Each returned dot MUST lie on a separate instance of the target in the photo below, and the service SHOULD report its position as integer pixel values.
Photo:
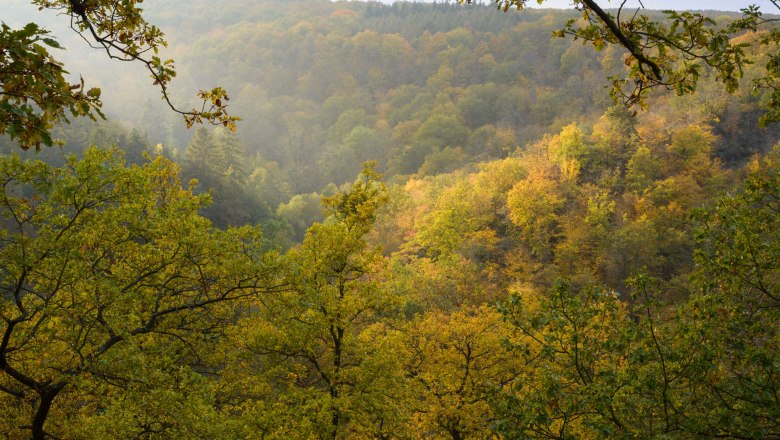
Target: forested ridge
(518, 257)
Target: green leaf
(51, 42)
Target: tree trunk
(47, 397)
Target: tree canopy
(535, 264)
(108, 274)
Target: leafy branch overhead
(35, 93)
(120, 29)
(671, 53)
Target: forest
(408, 220)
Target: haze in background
(116, 78)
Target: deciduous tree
(110, 282)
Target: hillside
(431, 222)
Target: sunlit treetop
(34, 93)
(671, 53)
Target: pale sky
(718, 5)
